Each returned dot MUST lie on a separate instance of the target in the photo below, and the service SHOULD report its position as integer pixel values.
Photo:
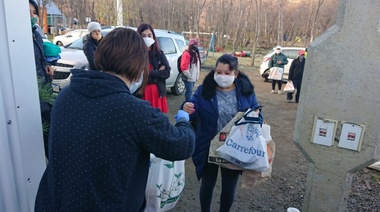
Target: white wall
(22, 159)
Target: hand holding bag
(289, 87)
(276, 73)
(245, 145)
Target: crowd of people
(106, 123)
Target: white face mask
(148, 41)
(136, 85)
(224, 81)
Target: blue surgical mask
(302, 57)
(136, 85)
(33, 21)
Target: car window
(291, 53)
(75, 33)
(78, 44)
(181, 45)
(166, 45)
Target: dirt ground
(286, 187)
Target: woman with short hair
(102, 136)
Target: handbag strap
(250, 119)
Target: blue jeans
(229, 181)
(189, 90)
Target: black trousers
(279, 82)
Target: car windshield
(78, 44)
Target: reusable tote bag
(166, 181)
(289, 87)
(245, 146)
(276, 73)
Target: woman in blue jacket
(225, 91)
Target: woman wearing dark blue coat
(225, 91)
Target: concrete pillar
(340, 84)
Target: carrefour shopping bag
(245, 145)
(252, 178)
(166, 181)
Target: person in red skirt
(159, 70)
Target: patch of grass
(50, 37)
(376, 178)
(243, 61)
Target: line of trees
(240, 24)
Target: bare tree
(318, 7)
(227, 19)
(258, 5)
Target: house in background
(53, 19)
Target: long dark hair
(194, 55)
(35, 6)
(155, 48)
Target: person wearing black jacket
(90, 43)
(295, 75)
(44, 73)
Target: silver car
(72, 56)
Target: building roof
(52, 9)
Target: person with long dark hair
(191, 66)
(158, 68)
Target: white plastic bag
(276, 73)
(289, 87)
(245, 146)
(165, 183)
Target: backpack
(179, 63)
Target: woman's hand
(189, 107)
(161, 68)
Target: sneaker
(288, 100)
(279, 92)
(272, 91)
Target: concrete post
(340, 83)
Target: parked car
(72, 56)
(71, 36)
(290, 52)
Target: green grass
(243, 61)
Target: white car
(290, 52)
(63, 40)
(72, 56)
